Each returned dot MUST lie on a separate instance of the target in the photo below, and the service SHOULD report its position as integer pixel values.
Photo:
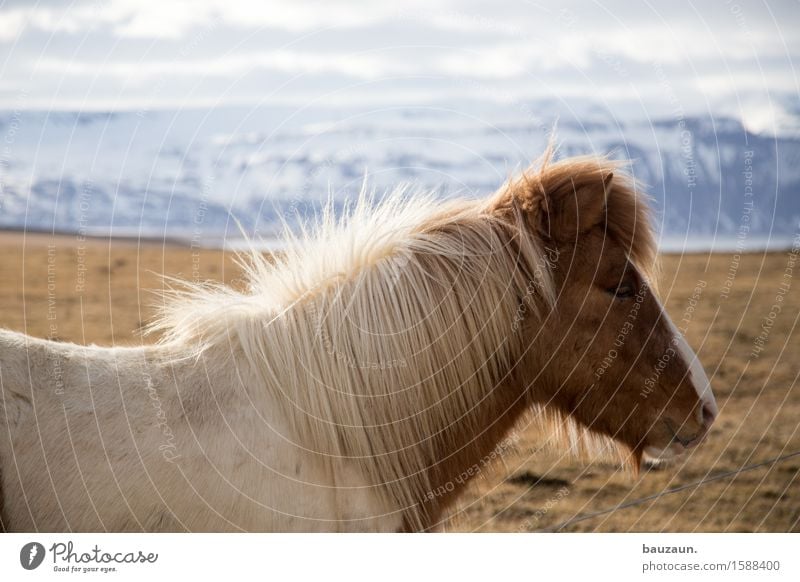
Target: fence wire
(699, 483)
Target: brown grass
(46, 292)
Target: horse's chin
(654, 455)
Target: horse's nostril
(709, 414)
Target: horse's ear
(572, 209)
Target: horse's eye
(622, 291)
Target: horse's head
(604, 352)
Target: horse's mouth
(683, 443)
(677, 445)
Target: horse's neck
(462, 455)
(467, 432)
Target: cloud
(360, 66)
(176, 18)
(511, 45)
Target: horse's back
(95, 439)
(63, 438)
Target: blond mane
(381, 332)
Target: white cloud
(11, 24)
(361, 66)
(124, 44)
(175, 18)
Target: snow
(188, 172)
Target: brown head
(604, 353)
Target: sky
(129, 54)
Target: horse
(357, 377)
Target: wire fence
(699, 483)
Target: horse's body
(138, 441)
(359, 380)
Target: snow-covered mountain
(185, 174)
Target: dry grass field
(100, 292)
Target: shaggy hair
(378, 331)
